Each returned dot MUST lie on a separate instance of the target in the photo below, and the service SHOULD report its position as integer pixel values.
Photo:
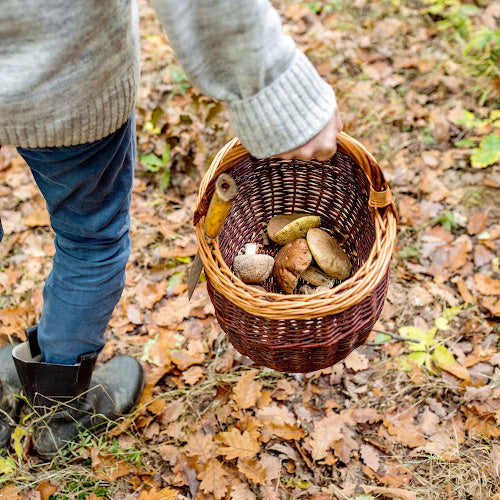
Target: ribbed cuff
(286, 114)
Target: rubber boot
(10, 388)
(73, 398)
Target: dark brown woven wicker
(300, 333)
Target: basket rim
(296, 306)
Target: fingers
(321, 147)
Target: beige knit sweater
(69, 70)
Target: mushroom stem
(250, 248)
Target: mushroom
(292, 260)
(328, 254)
(317, 277)
(288, 227)
(251, 267)
(308, 289)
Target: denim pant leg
(88, 190)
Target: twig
(396, 337)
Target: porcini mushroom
(317, 277)
(328, 254)
(288, 227)
(251, 267)
(292, 260)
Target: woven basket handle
(233, 152)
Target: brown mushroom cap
(292, 260)
(288, 227)
(328, 254)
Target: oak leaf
(237, 445)
(370, 456)
(252, 469)
(241, 491)
(247, 391)
(356, 361)
(201, 446)
(396, 493)
(326, 431)
(486, 285)
(214, 478)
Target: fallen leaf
(396, 493)
(252, 469)
(356, 361)
(370, 456)
(241, 491)
(428, 422)
(486, 285)
(247, 391)
(214, 478)
(202, 446)
(477, 223)
(455, 369)
(38, 218)
(163, 494)
(237, 445)
(326, 431)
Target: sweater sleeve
(235, 51)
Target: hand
(322, 146)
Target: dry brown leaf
(148, 294)
(252, 469)
(163, 494)
(275, 413)
(193, 375)
(272, 466)
(344, 447)
(370, 456)
(237, 445)
(395, 475)
(459, 253)
(241, 491)
(172, 412)
(465, 292)
(486, 285)
(38, 218)
(477, 223)
(193, 355)
(247, 391)
(326, 431)
(402, 429)
(397, 493)
(356, 361)
(455, 369)
(428, 422)
(107, 467)
(202, 446)
(492, 304)
(440, 126)
(214, 478)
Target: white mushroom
(251, 267)
(288, 227)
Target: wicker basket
(295, 332)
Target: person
(69, 76)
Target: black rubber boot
(72, 398)
(10, 388)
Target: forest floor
(395, 419)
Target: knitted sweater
(69, 70)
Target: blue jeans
(88, 190)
